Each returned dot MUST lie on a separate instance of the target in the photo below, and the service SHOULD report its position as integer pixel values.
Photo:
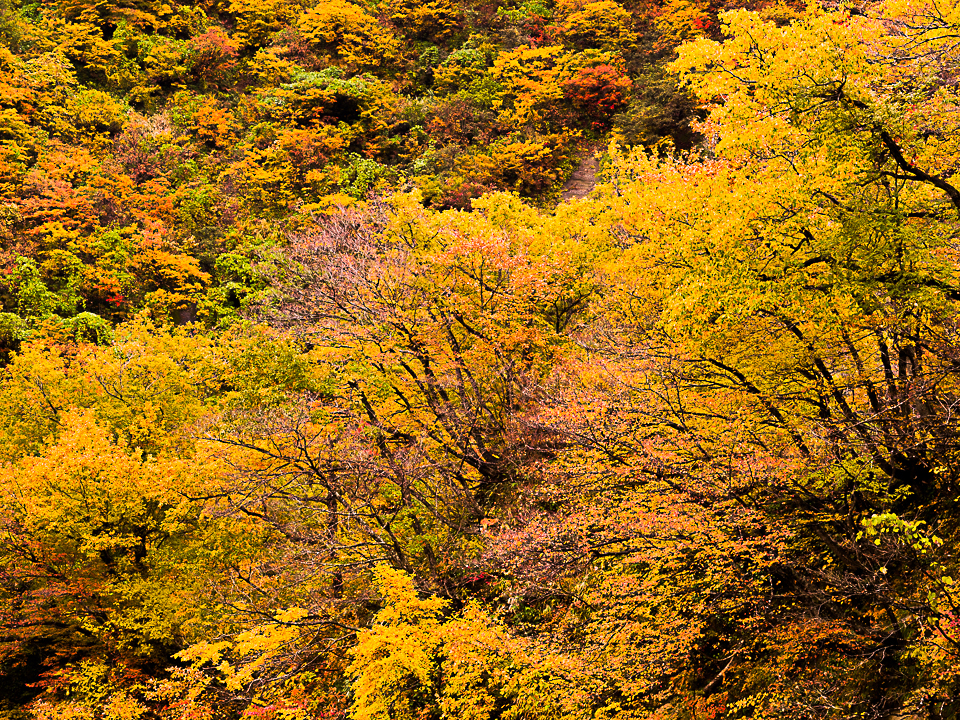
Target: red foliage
(461, 196)
(535, 28)
(212, 58)
(598, 92)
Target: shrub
(603, 25)
(436, 21)
(597, 92)
(212, 59)
(342, 34)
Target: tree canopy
(315, 402)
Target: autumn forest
(479, 360)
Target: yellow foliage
(435, 21)
(257, 20)
(531, 79)
(93, 695)
(528, 167)
(96, 112)
(87, 488)
(214, 125)
(681, 20)
(604, 24)
(410, 664)
(346, 36)
(394, 662)
(269, 69)
(47, 710)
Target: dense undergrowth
(154, 153)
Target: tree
(781, 326)
(342, 34)
(113, 540)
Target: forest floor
(584, 178)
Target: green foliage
(537, 8)
(34, 300)
(88, 327)
(361, 176)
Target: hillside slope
(316, 402)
